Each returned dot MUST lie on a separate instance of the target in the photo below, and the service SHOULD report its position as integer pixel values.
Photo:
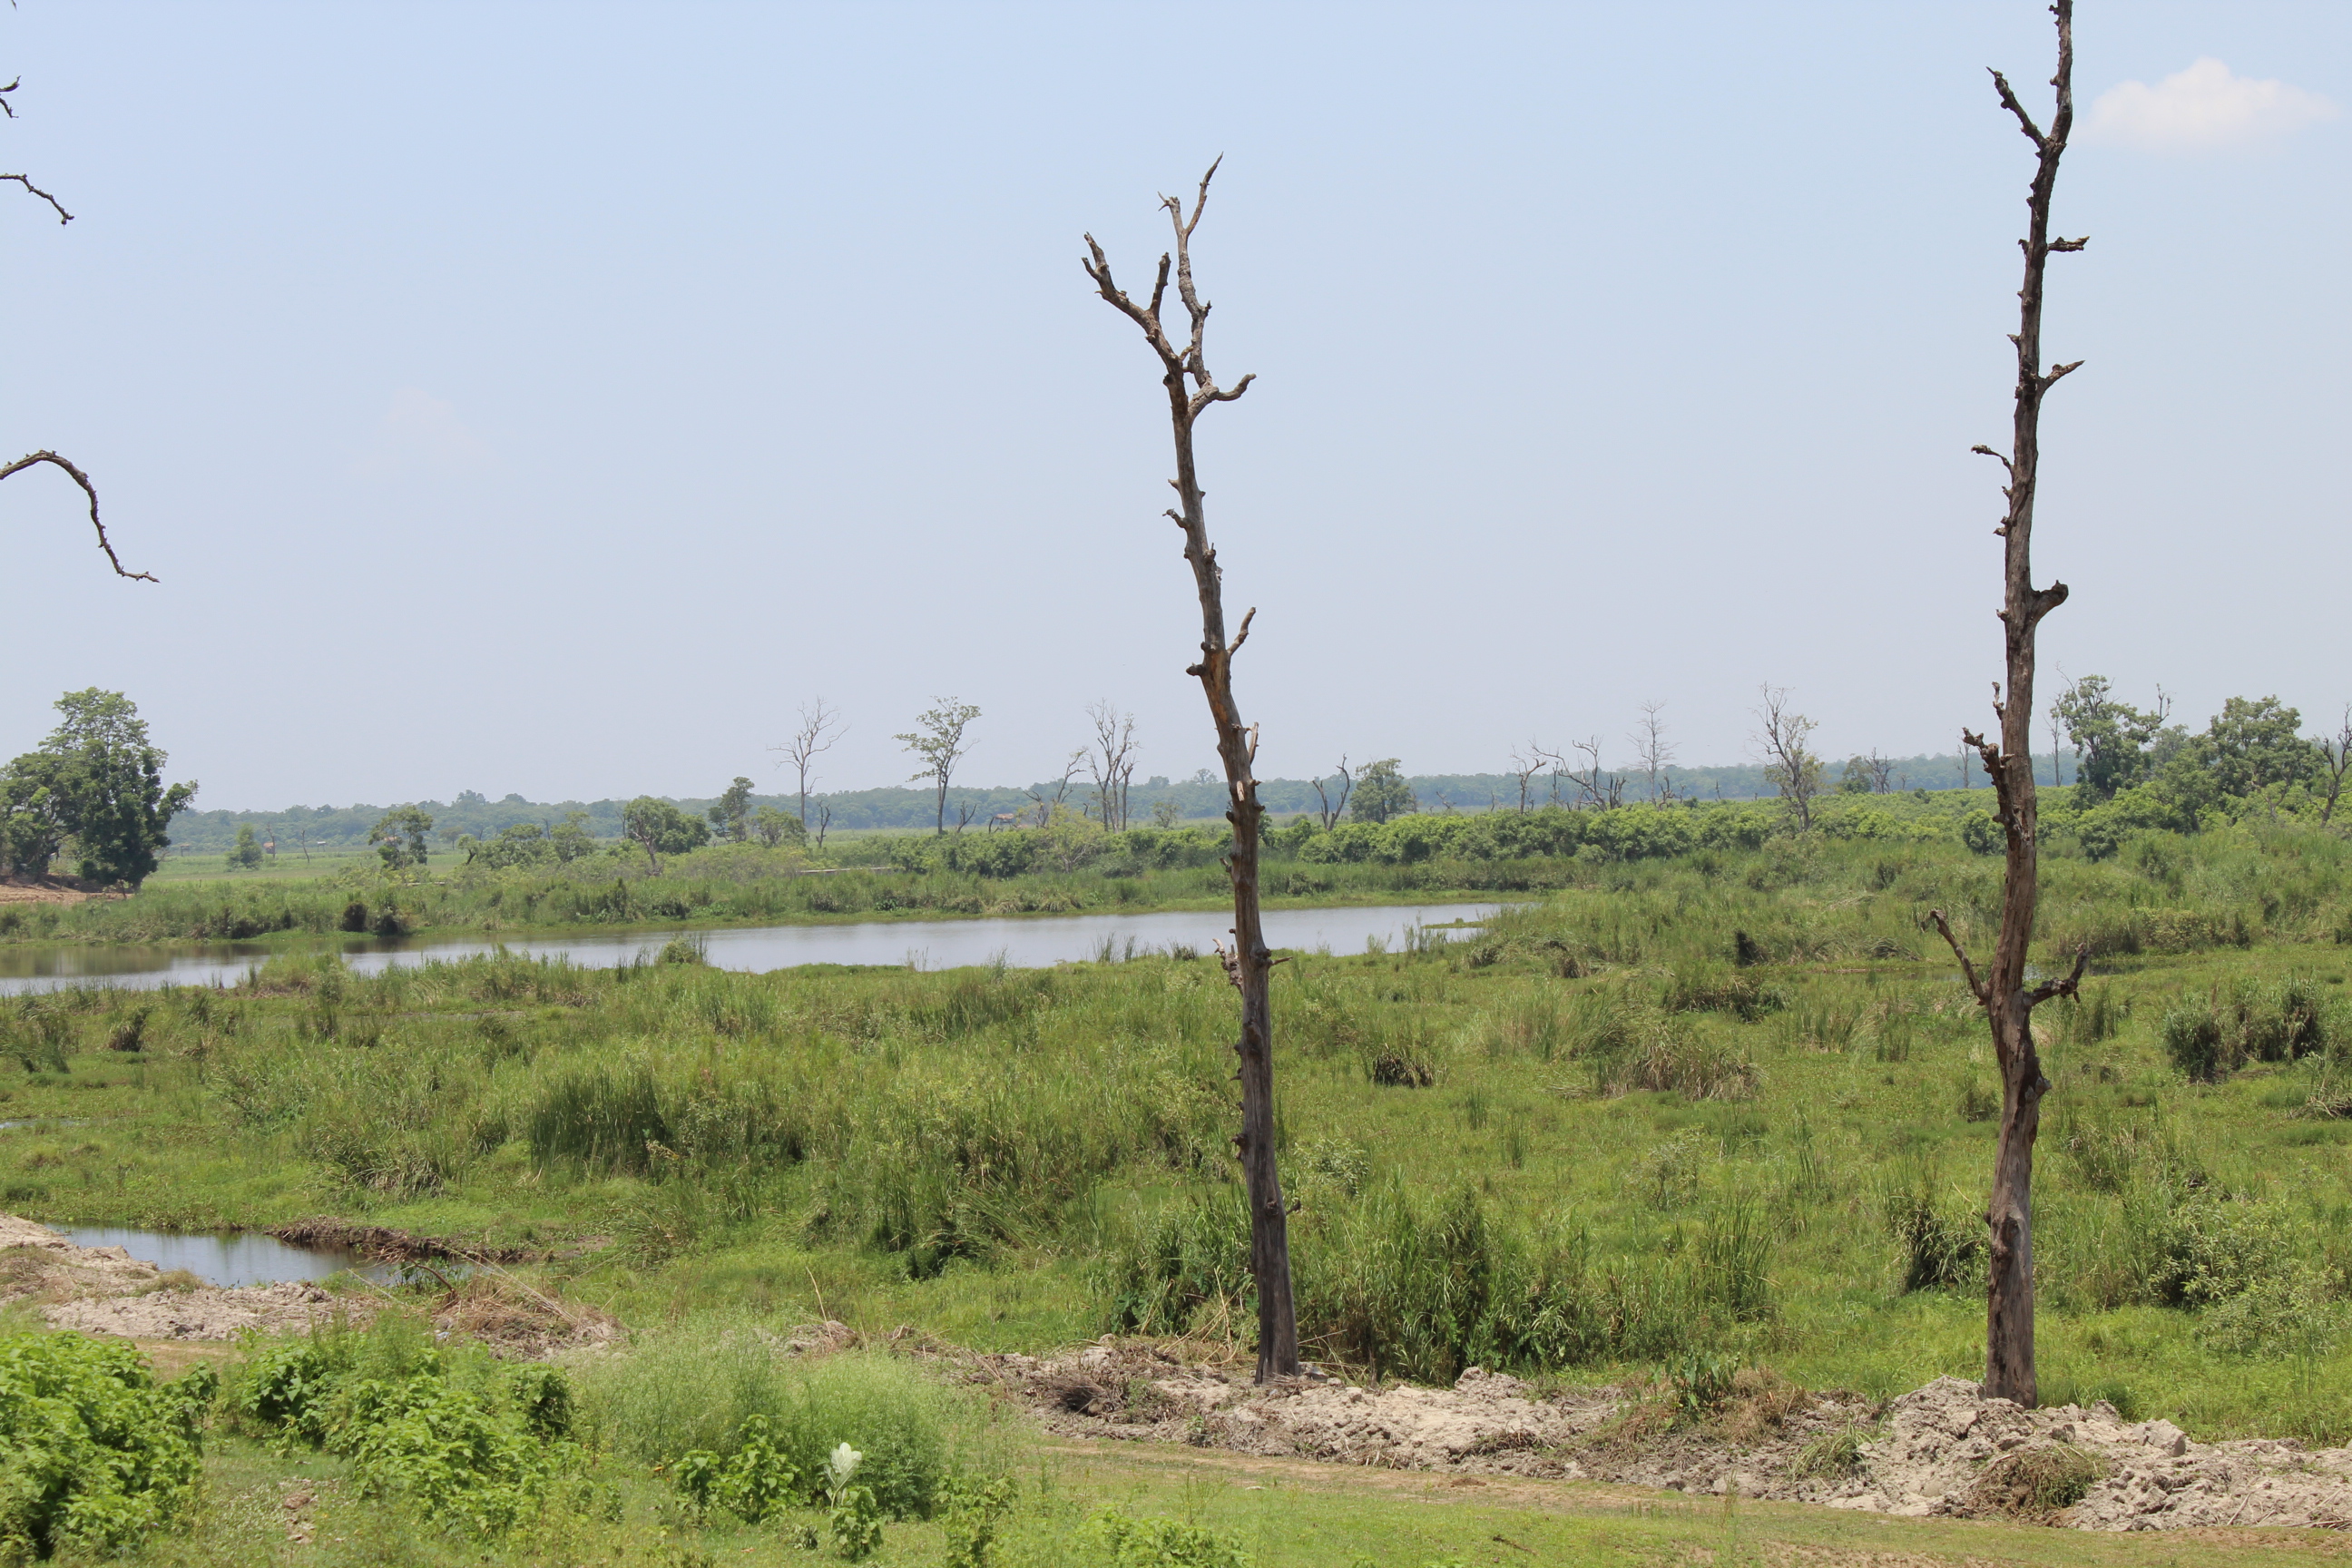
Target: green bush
(472, 1442)
(93, 1451)
(1117, 1539)
(716, 1389)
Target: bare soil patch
(1943, 1451)
(46, 890)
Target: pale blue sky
(550, 398)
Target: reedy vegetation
(1721, 1101)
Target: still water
(1031, 943)
(241, 1258)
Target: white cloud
(2203, 106)
(420, 431)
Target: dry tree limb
(21, 464)
(64, 217)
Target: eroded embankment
(1943, 1449)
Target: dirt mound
(1942, 1443)
(1484, 1423)
(1943, 1449)
(519, 1321)
(105, 1290)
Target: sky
(554, 398)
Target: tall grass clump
(694, 1387)
(2248, 1022)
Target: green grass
(1632, 1146)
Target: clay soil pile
(1943, 1449)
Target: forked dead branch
(1249, 963)
(2001, 987)
(32, 460)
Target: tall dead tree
(2001, 988)
(1250, 963)
(33, 459)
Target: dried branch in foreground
(21, 464)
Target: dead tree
(2001, 987)
(819, 727)
(1326, 807)
(1111, 764)
(2337, 753)
(1184, 372)
(1654, 753)
(1785, 741)
(1046, 808)
(33, 459)
(1527, 765)
(1596, 786)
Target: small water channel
(1025, 943)
(233, 1257)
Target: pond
(1023, 943)
(229, 1258)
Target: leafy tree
(774, 828)
(519, 844)
(731, 817)
(2252, 744)
(35, 795)
(2111, 738)
(1380, 792)
(938, 739)
(660, 828)
(399, 837)
(246, 856)
(99, 778)
(571, 838)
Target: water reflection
(236, 1257)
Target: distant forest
(1202, 796)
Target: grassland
(1727, 1102)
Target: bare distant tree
(1046, 808)
(819, 727)
(1784, 744)
(1327, 808)
(1525, 765)
(2336, 752)
(1596, 786)
(33, 459)
(1184, 372)
(824, 819)
(1111, 764)
(1653, 753)
(2000, 989)
(965, 811)
(938, 739)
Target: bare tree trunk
(1250, 963)
(2009, 762)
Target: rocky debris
(1938, 1441)
(105, 1290)
(1944, 1449)
(1484, 1423)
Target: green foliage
(1382, 794)
(93, 1452)
(99, 779)
(730, 815)
(1117, 1539)
(1982, 833)
(2247, 1023)
(753, 1482)
(246, 855)
(1938, 1244)
(660, 828)
(474, 1445)
(776, 828)
(710, 1388)
(399, 837)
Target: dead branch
(1967, 969)
(64, 217)
(89, 490)
(2070, 986)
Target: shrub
(1115, 1539)
(471, 1442)
(1935, 1247)
(699, 1387)
(93, 1451)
